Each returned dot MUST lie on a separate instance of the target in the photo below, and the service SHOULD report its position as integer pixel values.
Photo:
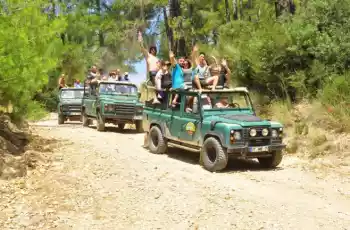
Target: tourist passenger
(92, 73)
(202, 76)
(225, 73)
(112, 76)
(151, 59)
(162, 79)
(222, 103)
(62, 81)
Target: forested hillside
(288, 50)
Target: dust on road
(106, 180)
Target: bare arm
(143, 49)
(172, 58)
(194, 55)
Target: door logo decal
(190, 128)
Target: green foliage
(28, 50)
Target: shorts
(203, 83)
(166, 85)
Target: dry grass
(313, 133)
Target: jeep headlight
(265, 132)
(237, 135)
(252, 132)
(274, 133)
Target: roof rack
(218, 89)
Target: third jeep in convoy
(69, 106)
(216, 123)
(112, 102)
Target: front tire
(100, 122)
(213, 157)
(273, 161)
(156, 142)
(85, 120)
(60, 119)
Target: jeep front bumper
(70, 114)
(254, 151)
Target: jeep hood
(244, 120)
(77, 101)
(119, 99)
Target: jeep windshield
(226, 101)
(118, 89)
(72, 94)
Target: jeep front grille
(71, 108)
(125, 109)
(259, 139)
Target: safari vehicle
(69, 106)
(232, 129)
(112, 102)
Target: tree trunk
(235, 9)
(190, 12)
(174, 11)
(168, 30)
(215, 9)
(227, 11)
(241, 9)
(283, 6)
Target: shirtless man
(151, 59)
(223, 103)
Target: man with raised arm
(151, 59)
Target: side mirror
(139, 94)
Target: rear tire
(156, 142)
(100, 122)
(139, 127)
(213, 157)
(60, 119)
(121, 127)
(273, 161)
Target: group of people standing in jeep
(95, 75)
(194, 72)
(98, 75)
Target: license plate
(259, 149)
(138, 117)
(72, 114)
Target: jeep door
(189, 122)
(172, 120)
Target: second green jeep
(112, 102)
(216, 123)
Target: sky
(140, 74)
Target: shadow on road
(234, 165)
(67, 124)
(114, 129)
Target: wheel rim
(211, 152)
(154, 138)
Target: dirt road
(106, 180)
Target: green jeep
(216, 123)
(112, 102)
(69, 106)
